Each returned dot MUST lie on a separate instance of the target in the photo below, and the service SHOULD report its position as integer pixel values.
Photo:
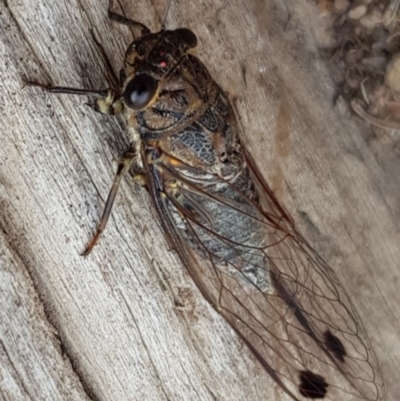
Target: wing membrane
(287, 305)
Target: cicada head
(165, 85)
(158, 52)
(148, 62)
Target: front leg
(108, 101)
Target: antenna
(165, 16)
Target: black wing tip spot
(334, 345)
(312, 385)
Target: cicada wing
(287, 305)
(321, 305)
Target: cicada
(236, 241)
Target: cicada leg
(141, 179)
(108, 102)
(125, 21)
(124, 165)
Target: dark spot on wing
(312, 385)
(334, 345)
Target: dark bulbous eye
(140, 91)
(187, 36)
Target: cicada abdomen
(236, 241)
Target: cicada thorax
(189, 134)
(176, 103)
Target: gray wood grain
(126, 323)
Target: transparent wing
(243, 252)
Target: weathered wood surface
(126, 323)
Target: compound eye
(140, 91)
(187, 36)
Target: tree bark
(127, 323)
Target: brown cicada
(237, 242)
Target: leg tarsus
(141, 179)
(110, 104)
(124, 165)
